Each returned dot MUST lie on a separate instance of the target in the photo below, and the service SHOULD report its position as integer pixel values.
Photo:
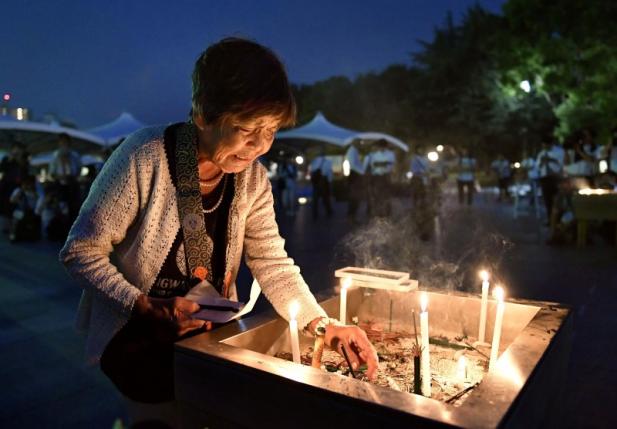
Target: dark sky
(87, 61)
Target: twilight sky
(87, 61)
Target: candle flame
(294, 308)
(346, 284)
(423, 301)
(498, 293)
(484, 275)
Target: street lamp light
(440, 148)
(432, 156)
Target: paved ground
(46, 385)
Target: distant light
(517, 165)
(433, 156)
(409, 175)
(302, 200)
(84, 171)
(589, 191)
(299, 160)
(603, 166)
(440, 148)
(20, 114)
(346, 168)
(6, 97)
(525, 86)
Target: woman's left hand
(357, 345)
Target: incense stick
(353, 374)
(459, 394)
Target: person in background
(54, 213)
(26, 224)
(583, 163)
(287, 174)
(380, 164)
(501, 169)
(466, 176)
(608, 153)
(320, 171)
(550, 161)
(64, 169)
(355, 181)
(419, 168)
(532, 175)
(14, 167)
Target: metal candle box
(230, 378)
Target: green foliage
(464, 87)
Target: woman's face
(236, 148)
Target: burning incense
(353, 374)
(426, 358)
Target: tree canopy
(494, 83)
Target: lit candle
(485, 286)
(426, 357)
(497, 328)
(345, 284)
(293, 331)
(461, 368)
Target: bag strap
(197, 245)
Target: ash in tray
(450, 382)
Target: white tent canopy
(40, 137)
(322, 130)
(117, 129)
(370, 136)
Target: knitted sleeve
(265, 254)
(110, 208)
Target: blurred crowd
(544, 181)
(41, 201)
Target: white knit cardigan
(129, 221)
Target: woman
(174, 206)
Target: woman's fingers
(367, 353)
(189, 325)
(186, 305)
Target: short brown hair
(238, 79)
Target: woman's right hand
(175, 314)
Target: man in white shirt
(501, 168)
(320, 170)
(550, 162)
(379, 165)
(355, 181)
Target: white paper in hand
(219, 309)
